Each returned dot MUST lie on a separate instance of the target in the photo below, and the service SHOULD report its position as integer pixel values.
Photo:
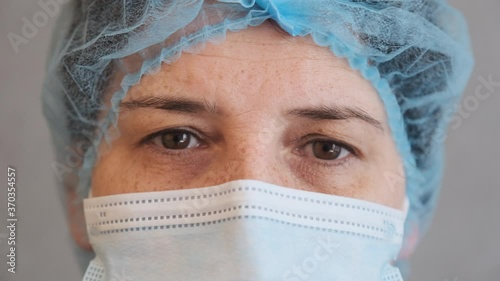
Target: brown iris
(176, 140)
(326, 150)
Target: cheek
(351, 179)
(389, 179)
(124, 170)
(387, 186)
(115, 173)
(380, 179)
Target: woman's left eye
(326, 150)
(176, 139)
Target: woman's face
(260, 105)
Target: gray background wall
(463, 243)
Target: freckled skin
(254, 75)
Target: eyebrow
(324, 112)
(185, 105)
(174, 104)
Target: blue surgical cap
(416, 54)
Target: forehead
(266, 68)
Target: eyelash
(311, 138)
(149, 140)
(308, 139)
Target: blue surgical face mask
(242, 230)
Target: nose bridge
(249, 158)
(252, 155)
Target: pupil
(326, 150)
(175, 140)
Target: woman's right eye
(176, 139)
